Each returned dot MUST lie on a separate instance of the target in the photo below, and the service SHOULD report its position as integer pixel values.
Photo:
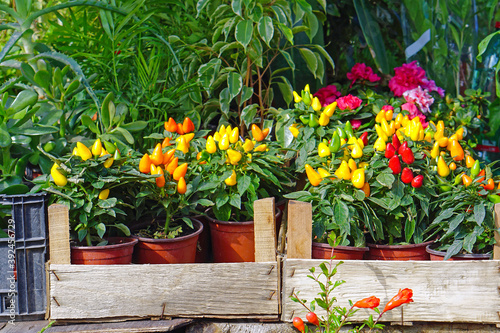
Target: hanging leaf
(234, 84)
(243, 32)
(266, 29)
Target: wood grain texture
(496, 247)
(60, 252)
(264, 230)
(299, 230)
(442, 291)
(81, 291)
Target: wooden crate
(448, 291)
(226, 290)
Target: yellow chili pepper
(222, 130)
(231, 180)
(58, 178)
(352, 164)
(103, 195)
(379, 144)
(443, 169)
(235, 135)
(180, 171)
(381, 133)
(380, 116)
(443, 142)
(469, 161)
(460, 133)
(453, 166)
(388, 115)
(261, 148)
(183, 145)
(257, 133)
(385, 127)
(343, 172)
(357, 151)
(323, 150)
(330, 109)
(466, 180)
(234, 156)
(312, 175)
(316, 104)
(248, 145)
(296, 97)
(323, 173)
(83, 151)
(156, 156)
(435, 150)
(294, 130)
(210, 146)
(358, 178)
(217, 136)
(109, 162)
(97, 148)
(181, 186)
(224, 142)
(324, 119)
(456, 150)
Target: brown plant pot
(204, 247)
(233, 241)
(179, 250)
(439, 255)
(118, 253)
(324, 251)
(398, 252)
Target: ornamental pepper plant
(89, 181)
(336, 316)
(236, 171)
(172, 165)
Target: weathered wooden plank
(140, 326)
(60, 252)
(246, 289)
(496, 247)
(264, 230)
(442, 291)
(299, 230)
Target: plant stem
(376, 321)
(345, 319)
(88, 239)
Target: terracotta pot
(178, 250)
(118, 253)
(439, 255)
(398, 252)
(324, 251)
(233, 241)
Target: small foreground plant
(337, 316)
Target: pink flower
(421, 97)
(355, 123)
(349, 102)
(327, 95)
(362, 72)
(414, 112)
(387, 107)
(410, 76)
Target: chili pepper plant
(337, 316)
(171, 193)
(236, 172)
(88, 181)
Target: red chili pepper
(364, 138)
(187, 125)
(395, 164)
(367, 303)
(407, 156)
(395, 141)
(403, 146)
(417, 181)
(390, 151)
(312, 318)
(299, 324)
(406, 176)
(402, 297)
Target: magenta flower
(414, 112)
(327, 95)
(363, 73)
(421, 97)
(410, 76)
(348, 102)
(387, 107)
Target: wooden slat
(60, 252)
(264, 230)
(496, 247)
(299, 230)
(447, 291)
(81, 291)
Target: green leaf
(287, 32)
(236, 6)
(126, 134)
(5, 138)
(101, 229)
(454, 248)
(243, 32)
(288, 59)
(234, 84)
(373, 35)
(246, 93)
(266, 29)
(386, 179)
(243, 184)
(42, 78)
(224, 100)
(24, 99)
(108, 203)
(135, 126)
(311, 60)
(221, 199)
(248, 114)
(479, 214)
(235, 201)
(123, 228)
(35, 130)
(200, 6)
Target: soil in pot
(398, 252)
(324, 251)
(117, 252)
(178, 250)
(233, 241)
(436, 255)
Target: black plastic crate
(25, 295)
